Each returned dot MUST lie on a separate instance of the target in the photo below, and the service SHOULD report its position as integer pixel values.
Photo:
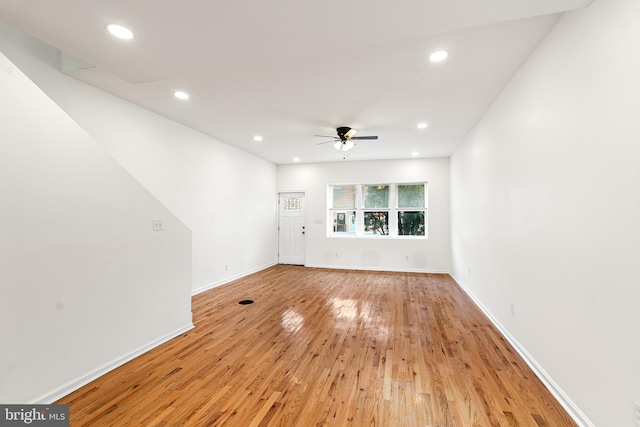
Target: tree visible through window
(411, 210)
(376, 221)
(375, 196)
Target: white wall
(214, 188)
(545, 196)
(85, 282)
(431, 255)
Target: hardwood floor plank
(326, 348)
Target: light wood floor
(326, 347)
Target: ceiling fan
(345, 139)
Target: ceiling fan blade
(326, 142)
(365, 137)
(327, 136)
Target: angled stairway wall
(86, 283)
(214, 188)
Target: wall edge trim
(230, 279)
(395, 270)
(73, 385)
(572, 409)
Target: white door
(291, 228)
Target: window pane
(411, 196)
(344, 196)
(293, 204)
(375, 196)
(344, 222)
(411, 223)
(376, 223)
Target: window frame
(392, 211)
(411, 209)
(331, 225)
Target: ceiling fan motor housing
(342, 132)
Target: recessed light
(120, 32)
(181, 95)
(422, 125)
(415, 154)
(296, 159)
(438, 56)
(257, 138)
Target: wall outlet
(513, 310)
(226, 267)
(637, 413)
(157, 225)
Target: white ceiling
(288, 69)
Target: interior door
(291, 228)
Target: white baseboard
(391, 269)
(578, 416)
(75, 384)
(229, 279)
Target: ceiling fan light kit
(344, 145)
(345, 139)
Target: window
(391, 210)
(375, 196)
(293, 204)
(411, 210)
(376, 222)
(376, 209)
(342, 209)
